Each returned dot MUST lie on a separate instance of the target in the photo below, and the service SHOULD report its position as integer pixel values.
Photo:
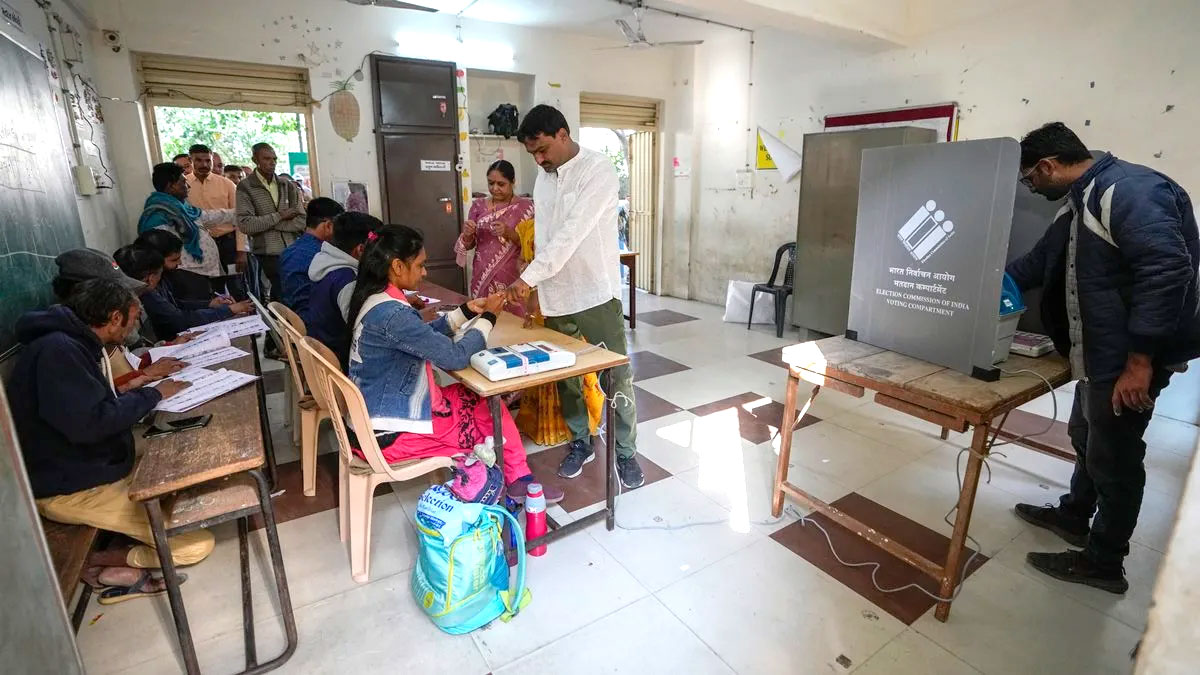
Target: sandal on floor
(112, 595)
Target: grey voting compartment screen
(930, 246)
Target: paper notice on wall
(435, 165)
(778, 154)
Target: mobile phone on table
(164, 428)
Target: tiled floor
(699, 577)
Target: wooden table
(509, 330)
(629, 260)
(200, 478)
(921, 389)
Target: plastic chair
(781, 291)
(303, 404)
(357, 478)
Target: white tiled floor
(713, 595)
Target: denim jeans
(1110, 475)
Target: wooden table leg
(945, 434)
(633, 296)
(785, 439)
(495, 403)
(171, 578)
(962, 520)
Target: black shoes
(1074, 567)
(581, 452)
(1073, 530)
(578, 453)
(630, 472)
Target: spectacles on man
(1026, 177)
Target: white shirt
(576, 262)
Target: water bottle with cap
(535, 517)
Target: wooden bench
(69, 548)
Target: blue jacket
(169, 317)
(293, 273)
(75, 431)
(1137, 252)
(332, 272)
(388, 353)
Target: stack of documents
(206, 385)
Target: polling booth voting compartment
(932, 238)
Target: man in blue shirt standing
(295, 259)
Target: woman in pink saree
(492, 231)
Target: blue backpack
(461, 576)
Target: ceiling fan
(392, 4)
(636, 39)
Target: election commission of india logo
(925, 231)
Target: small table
(921, 389)
(629, 260)
(509, 330)
(200, 478)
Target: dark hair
(390, 243)
(505, 168)
(258, 147)
(165, 174)
(541, 119)
(231, 167)
(1052, 139)
(199, 148)
(321, 209)
(351, 229)
(62, 286)
(165, 243)
(138, 261)
(176, 158)
(94, 301)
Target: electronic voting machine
(527, 358)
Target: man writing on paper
(76, 432)
(1121, 301)
(575, 269)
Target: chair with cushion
(357, 477)
(304, 406)
(780, 291)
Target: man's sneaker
(1073, 530)
(630, 472)
(1074, 567)
(580, 452)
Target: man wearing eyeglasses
(1118, 265)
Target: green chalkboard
(38, 215)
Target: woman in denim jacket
(393, 352)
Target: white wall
(102, 215)
(561, 64)
(1010, 71)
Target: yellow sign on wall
(764, 157)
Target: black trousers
(1110, 474)
(270, 269)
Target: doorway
(625, 129)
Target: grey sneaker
(630, 472)
(578, 453)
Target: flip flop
(112, 595)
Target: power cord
(875, 566)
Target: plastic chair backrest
(790, 249)
(291, 338)
(312, 371)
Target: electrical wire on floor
(805, 521)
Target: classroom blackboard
(38, 215)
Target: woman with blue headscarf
(199, 273)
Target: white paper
(235, 328)
(133, 360)
(786, 159)
(206, 342)
(192, 374)
(220, 355)
(427, 300)
(205, 389)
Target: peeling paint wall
(1010, 71)
(334, 37)
(102, 215)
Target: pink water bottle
(535, 517)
